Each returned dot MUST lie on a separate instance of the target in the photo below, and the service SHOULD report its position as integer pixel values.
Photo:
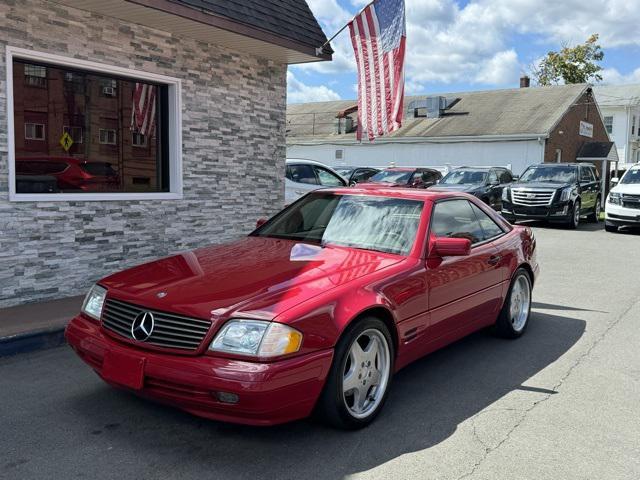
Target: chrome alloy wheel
(366, 373)
(520, 302)
(576, 214)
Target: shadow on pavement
(428, 400)
(550, 306)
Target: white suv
(623, 202)
(304, 176)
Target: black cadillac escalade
(555, 192)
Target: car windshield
(632, 176)
(99, 168)
(549, 174)
(392, 176)
(367, 222)
(464, 177)
(344, 171)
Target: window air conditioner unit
(109, 91)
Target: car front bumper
(620, 216)
(558, 212)
(267, 393)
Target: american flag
(143, 114)
(378, 35)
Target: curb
(31, 341)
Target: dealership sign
(586, 129)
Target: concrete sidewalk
(34, 326)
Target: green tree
(577, 64)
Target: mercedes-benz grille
(169, 330)
(532, 197)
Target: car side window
(456, 219)
(490, 228)
(594, 172)
(505, 176)
(361, 175)
(429, 177)
(301, 174)
(327, 178)
(493, 177)
(585, 175)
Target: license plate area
(123, 369)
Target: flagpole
(321, 48)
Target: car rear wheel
(515, 313)
(359, 379)
(595, 216)
(575, 215)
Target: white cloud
(298, 92)
(502, 68)
(611, 76)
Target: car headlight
(614, 198)
(257, 338)
(94, 301)
(506, 194)
(566, 194)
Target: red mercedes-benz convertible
(313, 311)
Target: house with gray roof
(620, 106)
(514, 127)
(133, 129)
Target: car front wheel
(575, 215)
(515, 313)
(359, 379)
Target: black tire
(331, 405)
(504, 327)
(575, 218)
(595, 216)
(611, 228)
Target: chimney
(525, 81)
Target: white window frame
(68, 129)
(604, 121)
(35, 139)
(174, 119)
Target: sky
(462, 45)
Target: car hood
(259, 276)
(455, 188)
(541, 185)
(628, 188)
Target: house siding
(570, 141)
(233, 146)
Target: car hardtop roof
(562, 164)
(53, 158)
(408, 169)
(468, 167)
(306, 161)
(395, 192)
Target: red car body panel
(427, 301)
(71, 175)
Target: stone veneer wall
(233, 135)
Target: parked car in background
(554, 192)
(304, 176)
(404, 177)
(486, 183)
(623, 203)
(316, 309)
(71, 174)
(354, 175)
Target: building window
(74, 132)
(84, 155)
(138, 139)
(339, 154)
(633, 125)
(108, 136)
(608, 124)
(35, 75)
(559, 155)
(33, 131)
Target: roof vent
(431, 107)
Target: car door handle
(300, 192)
(494, 259)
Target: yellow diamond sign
(66, 141)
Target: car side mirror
(452, 247)
(615, 181)
(515, 178)
(260, 222)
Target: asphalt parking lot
(563, 402)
